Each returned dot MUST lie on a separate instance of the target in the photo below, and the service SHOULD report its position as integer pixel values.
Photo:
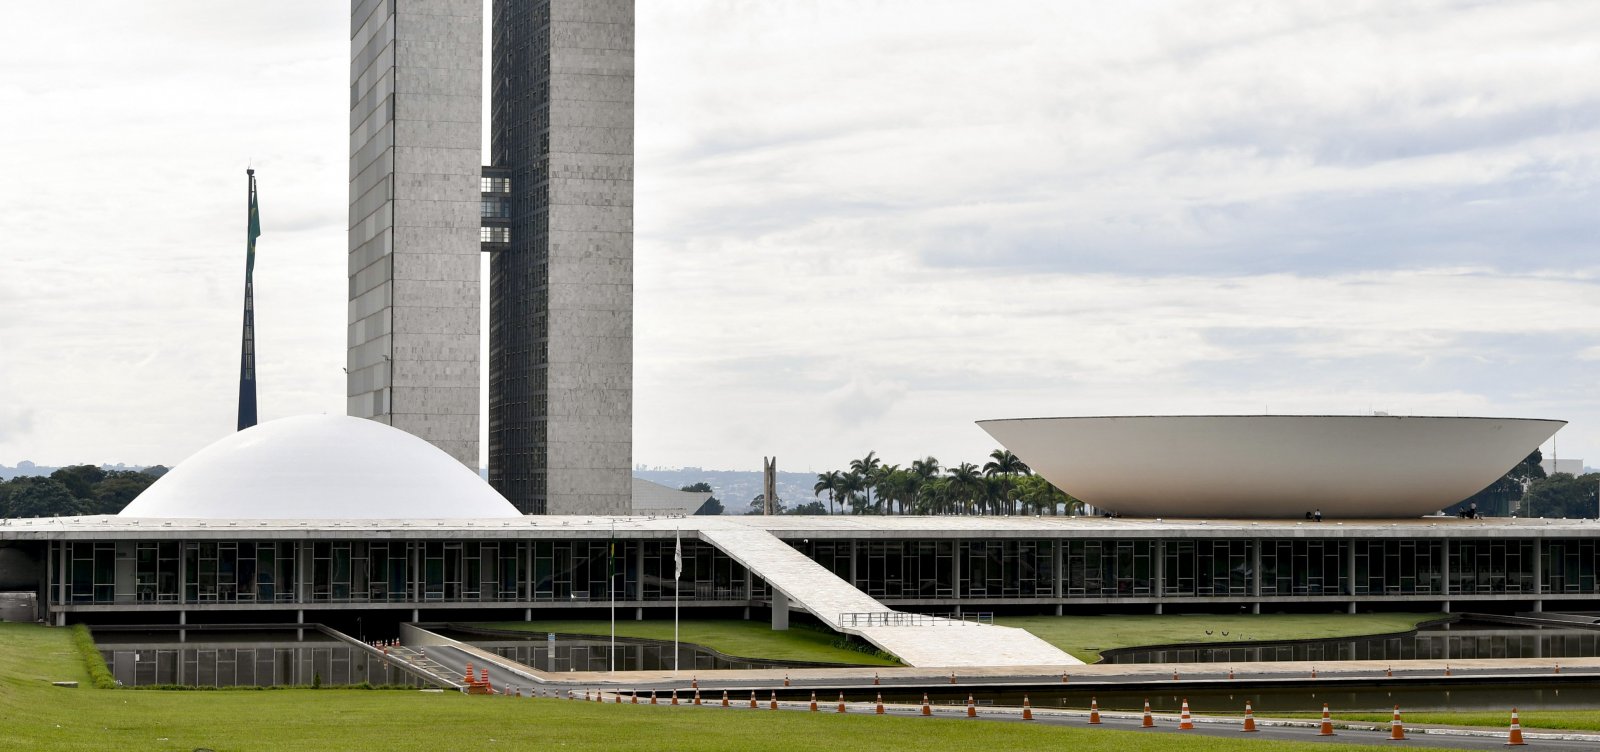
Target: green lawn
(37, 716)
(736, 637)
(1085, 636)
(1565, 720)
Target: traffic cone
(1094, 711)
(880, 704)
(1185, 722)
(484, 680)
(1327, 723)
(1063, 677)
(1558, 668)
(753, 705)
(674, 697)
(927, 710)
(1149, 720)
(697, 696)
(972, 709)
(1516, 732)
(774, 702)
(694, 682)
(841, 702)
(1397, 732)
(876, 680)
(1313, 672)
(1446, 669)
(635, 696)
(724, 698)
(1389, 672)
(467, 678)
(813, 702)
(1027, 709)
(1249, 718)
(952, 677)
(652, 697)
(1174, 674)
(1230, 672)
(617, 695)
(785, 680)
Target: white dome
(320, 467)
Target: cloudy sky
(861, 224)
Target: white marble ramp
(920, 642)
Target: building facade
(416, 72)
(561, 273)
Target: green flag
(253, 232)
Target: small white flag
(677, 557)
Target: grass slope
(745, 639)
(37, 716)
(1085, 636)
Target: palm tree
(828, 481)
(867, 468)
(883, 483)
(925, 468)
(933, 496)
(965, 483)
(1006, 465)
(851, 484)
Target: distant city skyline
(859, 227)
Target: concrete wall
(590, 392)
(415, 152)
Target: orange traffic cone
(674, 697)
(1063, 677)
(1149, 720)
(483, 679)
(652, 697)
(1446, 669)
(785, 680)
(813, 702)
(753, 705)
(1094, 710)
(1327, 723)
(1516, 732)
(1027, 709)
(467, 679)
(1249, 718)
(972, 709)
(694, 682)
(724, 698)
(875, 679)
(1389, 672)
(952, 677)
(927, 710)
(634, 695)
(841, 702)
(1185, 722)
(1230, 672)
(1313, 672)
(697, 696)
(1174, 674)
(617, 695)
(1397, 732)
(774, 705)
(585, 695)
(880, 704)
(1558, 668)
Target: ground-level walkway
(798, 581)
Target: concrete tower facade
(416, 72)
(561, 288)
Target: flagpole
(611, 588)
(677, 576)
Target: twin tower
(553, 210)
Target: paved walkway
(920, 642)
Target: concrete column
(1538, 575)
(300, 618)
(638, 574)
(1348, 550)
(1159, 567)
(853, 581)
(527, 614)
(780, 611)
(1444, 571)
(955, 571)
(1255, 575)
(183, 634)
(638, 613)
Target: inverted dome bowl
(320, 467)
(1223, 466)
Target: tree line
(74, 490)
(1003, 485)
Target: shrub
(99, 674)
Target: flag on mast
(677, 557)
(247, 348)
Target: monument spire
(247, 349)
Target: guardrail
(904, 619)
